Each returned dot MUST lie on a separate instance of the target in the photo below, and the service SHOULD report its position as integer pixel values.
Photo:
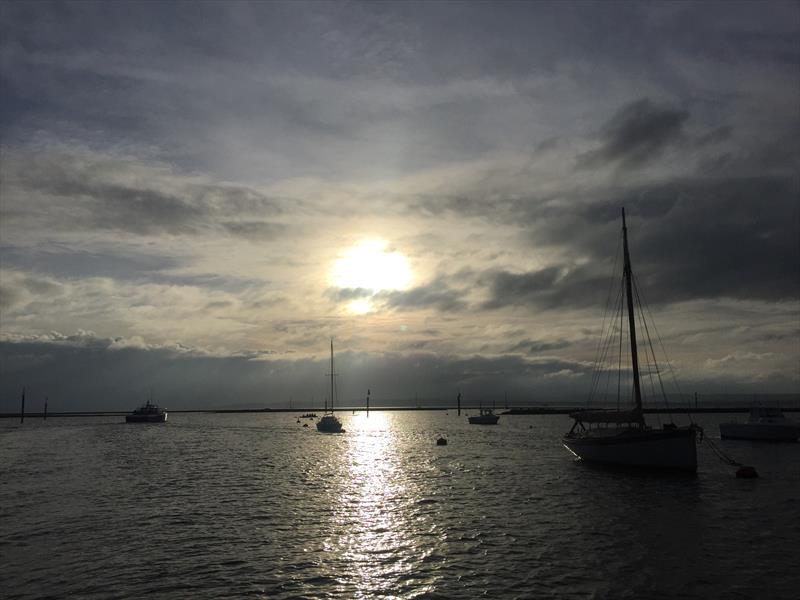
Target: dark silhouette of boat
(621, 437)
(329, 423)
(486, 416)
(147, 413)
(766, 423)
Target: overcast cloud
(177, 185)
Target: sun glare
(370, 266)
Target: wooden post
(22, 406)
(45, 408)
(459, 403)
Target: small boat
(329, 423)
(766, 423)
(486, 417)
(147, 413)
(309, 416)
(441, 441)
(622, 437)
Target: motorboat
(147, 413)
(622, 437)
(766, 423)
(486, 416)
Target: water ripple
(235, 506)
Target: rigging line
(598, 367)
(654, 365)
(722, 455)
(619, 362)
(600, 342)
(666, 356)
(601, 366)
(603, 342)
(637, 290)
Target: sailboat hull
(657, 449)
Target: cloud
(636, 134)
(77, 189)
(190, 378)
(530, 346)
(436, 294)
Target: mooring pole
(22, 406)
(459, 404)
(367, 402)
(45, 408)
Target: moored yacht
(329, 423)
(766, 423)
(485, 417)
(147, 413)
(622, 437)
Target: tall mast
(631, 320)
(332, 386)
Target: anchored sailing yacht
(329, 423)
(621, 437)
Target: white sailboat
(329, 423)
(622, 437)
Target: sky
(196, 197)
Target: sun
(371, 266)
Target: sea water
(258, 506)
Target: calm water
(214, 506)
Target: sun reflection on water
(378, 544)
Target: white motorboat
(622, 437)
(767, 423)
(486, 417)
(147, 413)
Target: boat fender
(746, 473)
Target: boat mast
(631, 320)
(332, 385)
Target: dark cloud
(255, 230)
(690, 239)
(84, 372)
(539, 346)
(636, 134)
(549, 288)
(347, 294)
(66, 262)
(85, 193)
(436, 294)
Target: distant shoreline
(534, 410)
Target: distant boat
(621, 437)
(147, 413)
(329, 423)
(309, 416)
(765, 423)
(486, 417)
